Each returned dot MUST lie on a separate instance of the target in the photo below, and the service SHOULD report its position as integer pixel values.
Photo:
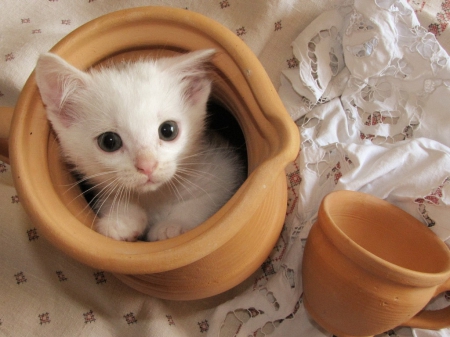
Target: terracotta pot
(369, 267)
(225, 249)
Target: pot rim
(107, 254)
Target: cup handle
(432, 319)
(6, 114)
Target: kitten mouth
(150, 185)
(149, 182)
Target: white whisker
(88, 178)
(223, 184)
(175, 189)
(184, 180)
(106, 190)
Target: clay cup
(369, 267)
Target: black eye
(168, 130)
(109, 141)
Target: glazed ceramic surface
(225, 249)
(369, 266)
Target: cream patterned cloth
(369, 91)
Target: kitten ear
(57, 80)
(195, 68)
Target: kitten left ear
(57, 80)
(195, 68)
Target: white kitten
(137, 133)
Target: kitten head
(129, 125)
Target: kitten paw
(164, 231)
(127, 227)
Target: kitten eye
(168, 130)
(109, 141)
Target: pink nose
(146, 166)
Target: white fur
(190, 177)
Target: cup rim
(369, 260)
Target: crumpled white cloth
(371, 98)
(377, 120)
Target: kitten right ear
(194, 69)
(57, 80)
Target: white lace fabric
(369, 98)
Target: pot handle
(432, 319)
(6, 114)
